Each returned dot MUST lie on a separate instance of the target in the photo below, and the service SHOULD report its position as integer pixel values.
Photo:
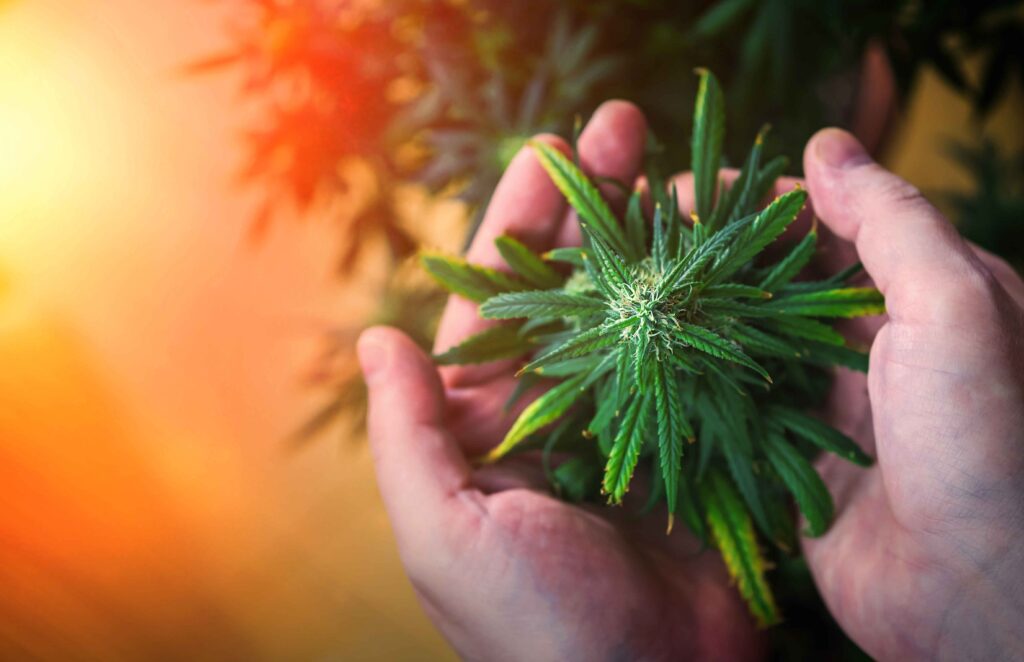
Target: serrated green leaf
(655, 493)
(780, 518)
(736, 290)
(493, 344)
(688, 269)
(542, 411)
(812, 497)
(523, 385)
(474, 282)
(806, 328)
(708, 135)
(636, 227)
(733, 308)
(820, 434)
(769, 174)
(757, 341)
(748, 195)
(541, 304)
(741, 468)
(771, 222)
(689, 506)
(831, 355)
(613, 270)
(570, 255)
(607, 408)
(844, 302)
(672, 428)
(575, 478)
(740, 200)
(527, 264)
(790, 266)
(711, 343)
(591, 340)
(629, 441)
(733, 533)
(659, 243)
(581, 193)
(719, 17)
(570, 367)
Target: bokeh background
(157, 352)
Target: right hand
(926, 557)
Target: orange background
(150, 359)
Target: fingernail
(373, 355)
(838, 149)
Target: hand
(503, 569)
(926, 557)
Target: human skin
(920, 561)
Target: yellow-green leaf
(733, 533)
(584, 197)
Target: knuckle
(972, 296)
(898, 192)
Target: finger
(611, 147)
(911, 251)
(419, 467)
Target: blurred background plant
(993, 214)
(359, 101)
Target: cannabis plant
(689, 347)
(992, 213)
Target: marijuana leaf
(498, 342)
(708, 135)
(734, 535)
(471, 281)
(625, 452)
(526, 264)
(676, 334)
(542, 304)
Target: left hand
(505, 570)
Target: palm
(595, 568)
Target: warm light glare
(56, 127)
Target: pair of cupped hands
(925, 559)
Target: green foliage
(540, 304)
(992, 215)
(683, 349)
(498, 342)
(733, 532)
(803, 481)
(708, 137)
(527, 264)
(469, 280)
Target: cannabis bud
(672, 339)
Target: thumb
(418, 464)
(910, 250)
